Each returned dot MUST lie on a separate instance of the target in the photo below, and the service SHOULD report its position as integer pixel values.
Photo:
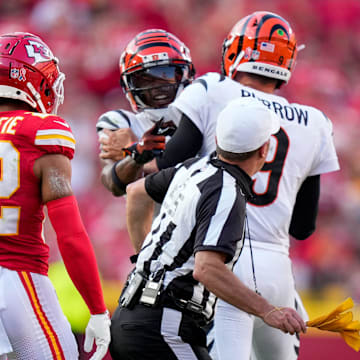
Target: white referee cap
(244, 125)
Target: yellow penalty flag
(340, 320)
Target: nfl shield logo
(14, 73)
(248, 52)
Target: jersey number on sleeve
(9, 183)
(272, 171)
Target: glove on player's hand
(149, 146)
(98, 329)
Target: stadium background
(88, 36)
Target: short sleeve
(113, 120)
(327, 160)
(54, 136)
(156, 184)
(193, 102)
(220, 221)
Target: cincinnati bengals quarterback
(258, 57)
(36, 147)
(154, 68)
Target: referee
(186, 260)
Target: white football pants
(32, 324)
(238, 334)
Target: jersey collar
(242, 178)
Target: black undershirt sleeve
(184, 144)
(156, 184)
(303, 221)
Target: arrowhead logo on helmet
(38, 51)
(35, 77)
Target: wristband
(143, 157)
(272, 310)
(115, 179)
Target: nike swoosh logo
(162, 130)
(61, 123)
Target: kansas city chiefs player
(36, 147)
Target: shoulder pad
(209, 80)
(54, 136)
(114, 119)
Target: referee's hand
(285, 319)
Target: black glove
(149, 146)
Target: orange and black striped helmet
(154, 68)
(262, 43)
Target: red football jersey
(24, 137)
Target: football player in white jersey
(154, 69)
(258, 57)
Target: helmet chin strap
(37, 97)
(139, 104)
(58, 89)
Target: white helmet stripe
(260, 68)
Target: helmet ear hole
(231, 56)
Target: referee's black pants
(161, 333)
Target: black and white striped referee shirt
(203, 208)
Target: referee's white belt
(267, 246)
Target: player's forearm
(116, 176)
(151, 167)
(221, 281)
(139, 213)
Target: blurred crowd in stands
(88, 37)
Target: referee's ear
(260, 156)
(264, 149)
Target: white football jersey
(303, 147)
(139, 123)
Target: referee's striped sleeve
(221, 216)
